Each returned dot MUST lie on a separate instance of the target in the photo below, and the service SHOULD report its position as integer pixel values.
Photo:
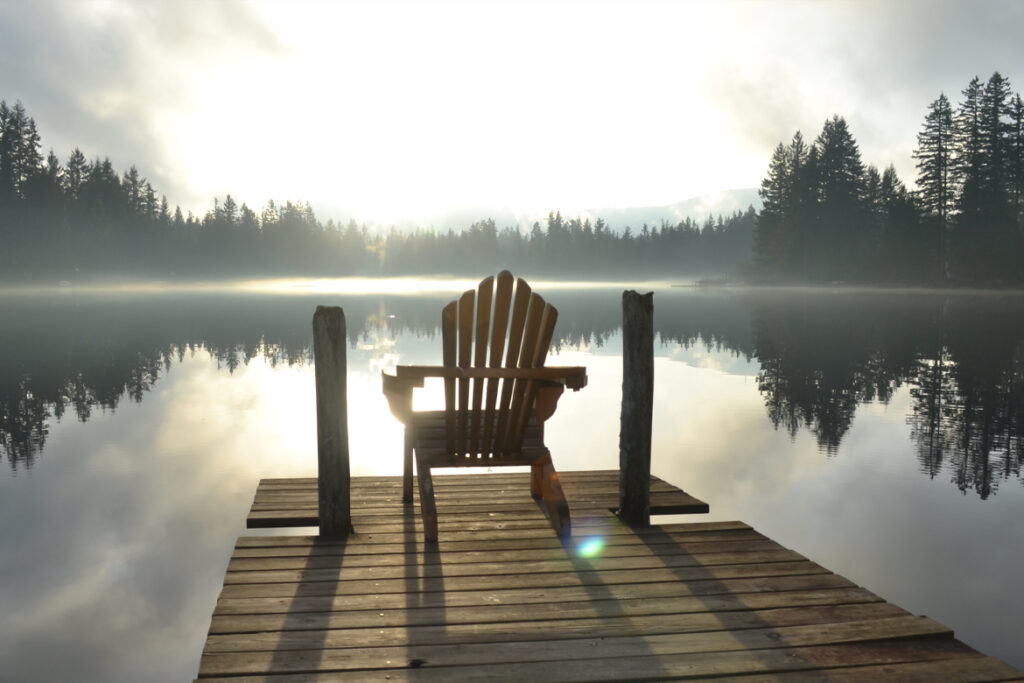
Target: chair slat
(530, 338)
(540, 352)
(465, 357)
(448, 340)
(499, 330)
(520, 305)
(484, 294)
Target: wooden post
(637, 408)
(331, 421)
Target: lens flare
(590, 547)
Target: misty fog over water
(878, 433)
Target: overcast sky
(392, 110)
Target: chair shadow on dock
(424, 588)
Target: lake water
(878, 433)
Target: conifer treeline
(827, 217)
(82, 219)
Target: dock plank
(293, 502)
(501, 597)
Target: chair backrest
(500, 324)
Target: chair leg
(428, 509)
(407, 464)
(544, 485)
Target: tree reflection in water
(821, 355)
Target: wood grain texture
(503, 598)
(377, 500)
(333, 499)
(637, 407)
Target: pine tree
(905, 247)
(967, 145)
(133, 185)
(230, 210)
(769, 238)
(986, 239)
(1015, 162)
(934, 156)
(843, 248)
(19, 149)
(53, 169)
(994, 140)
(75, 174)
(164, 213)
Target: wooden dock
(499, 597)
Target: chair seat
(430, 441)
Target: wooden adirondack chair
(498, 394)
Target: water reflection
(824, 355)
(820, 356)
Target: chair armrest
(573, 377)
(398, 391)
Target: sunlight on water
(409, 286)
(413, 285)
(356, 285)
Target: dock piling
(637, 408)
(331, 422)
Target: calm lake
(877, 433)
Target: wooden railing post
(637, 408)
(331, 421)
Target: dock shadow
(313, 586)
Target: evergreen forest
(79, 219)
(827, 217)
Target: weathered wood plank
(523, 528)
(395, 580)
(604, 486)
(563, 603)
(958, 670)
(500, 597)
(596, 544)
(673, 530)
(521, 507)
(511, 562)
(292, 502)
(500, 624)
(665, 667)
(538, 590)
(585, 480)
(692, 633)
(517, 502)
(291, 652)
(475, 478)
(370, 555)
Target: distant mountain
(698, 208)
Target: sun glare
(395, 112)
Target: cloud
(102, 76)
(877, 64)
(411, 109)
